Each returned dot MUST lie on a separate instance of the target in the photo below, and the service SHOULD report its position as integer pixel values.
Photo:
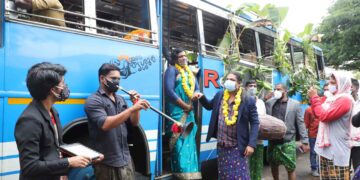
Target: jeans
(313, 157)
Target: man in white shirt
(256, 160)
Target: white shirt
(260, 105)
(261, 110)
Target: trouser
(104, 172)
(313, 156)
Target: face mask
(327, 94)
(230, 85)
(277, 94)
(63, 95)
(332, 88)
(252, 91)
(112, 86)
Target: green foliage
(191, 56)
(281, 61)
(301, 81)
(258, 73)
(268, 15)
(305, 77)
(341, 29)
(307, 44)
(356, 75)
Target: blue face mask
(252, 91)
(230, 85)
(332, 88)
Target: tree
(341, 29)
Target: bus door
(212, 70)
(179, 31)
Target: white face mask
(277, 94)
(252, 91)
(230, 85)
(327, 94)
(332, 88)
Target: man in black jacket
(38, 129)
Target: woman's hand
(312, 92)
(187, 107)
(78, 161)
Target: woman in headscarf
(180, 85)
(333, 139)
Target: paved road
(302, 170)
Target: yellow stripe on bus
(14, 101)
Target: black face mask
(112, 86)
(63, 95)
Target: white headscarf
(343, 90)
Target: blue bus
(131, 34)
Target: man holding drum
(283, 151)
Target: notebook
(77, 149)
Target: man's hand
(101, 157)
(141, 104)
(248, 151)
(196, 96)
(78, 161)
(134, 96)
(312, 92)
(269, 96)
(305, 147)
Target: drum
(271, 128)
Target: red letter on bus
(211, 75)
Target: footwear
(315, 173)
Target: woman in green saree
(180, 85)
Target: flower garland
(189, 91)
(225, 107)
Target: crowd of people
(325, 129)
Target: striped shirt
(226, 135)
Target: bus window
(214, 30)
(128, 19)
(74, 20)
(38, 11)
(298, 57)
(180, 27)
(247, 45)
(320, 66)
(267, 47)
